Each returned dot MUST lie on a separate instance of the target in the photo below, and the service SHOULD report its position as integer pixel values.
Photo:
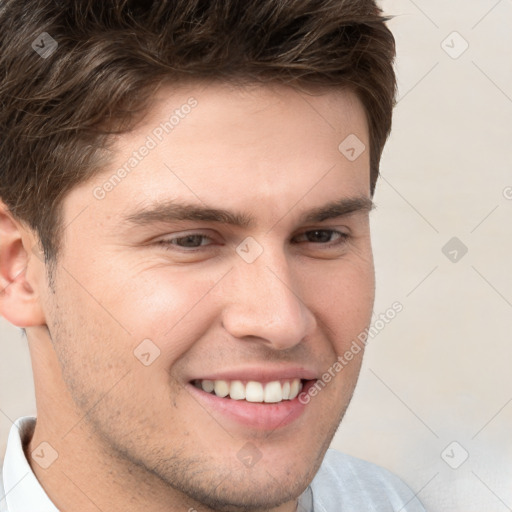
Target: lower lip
(260, 416)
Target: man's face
(146, 308)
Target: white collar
(23, 492)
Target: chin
(252, 491)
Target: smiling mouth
(253, 391)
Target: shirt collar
(23, 491)
(305, 503)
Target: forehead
(222, 145)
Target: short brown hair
(112, 56)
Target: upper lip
(261, 374)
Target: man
(186, 188)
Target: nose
(262, 302)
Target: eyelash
(168, 244)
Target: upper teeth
(252, 391)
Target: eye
(190, 241)
(194, 241)
(323, 236)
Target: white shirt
(342, 484)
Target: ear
(22, 273)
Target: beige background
(439, 372)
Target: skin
(132, 437)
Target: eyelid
(169, 239)
(331, 230)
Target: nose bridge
(263, 300)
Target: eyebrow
(171, 211)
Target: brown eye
(324, 236)
(190, 241)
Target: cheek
(342, 298)
(97, 346)
(169, 306)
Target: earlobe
(19, 274)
